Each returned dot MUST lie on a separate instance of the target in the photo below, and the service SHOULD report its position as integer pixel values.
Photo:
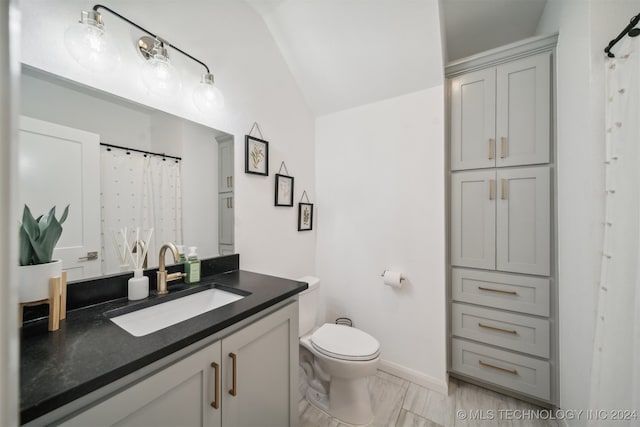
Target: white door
(473, 219)
(523, 217)
(523, 111)
(263, 359)
(60, 166)
(473, 113)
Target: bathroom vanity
(233, 365)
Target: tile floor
(400, 403)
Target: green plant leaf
(26, 250)
(63, 218)
(45, 244)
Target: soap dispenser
(182, 258)
(192, 266)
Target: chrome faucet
(163, 277)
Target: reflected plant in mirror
(156, 171)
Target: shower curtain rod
(629, 29)
(166, 156)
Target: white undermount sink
(151, 319)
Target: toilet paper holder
(402, 278)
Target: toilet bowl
(337, 360)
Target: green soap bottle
(182, 258)
(192, 266)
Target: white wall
(380, 179)
(585, 28)
(230, 37)
(9, 341)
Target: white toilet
(337, 360)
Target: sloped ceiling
(473, 26)
(346, 53)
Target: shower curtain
(615, 372)
(138, 191)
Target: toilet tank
(308, 305)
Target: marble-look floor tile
(431, 405)
(409, 419)
(310, 416)
(476, 406)
(387, 394)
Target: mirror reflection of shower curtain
(138, 191)
(615, 376)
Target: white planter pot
(33, 282)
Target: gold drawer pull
(234, 385)
(492, 149)
(509, 371)
(503, 147)
(503, 189)
(216, 379)
(492, 184)
(500, 291)
(493, 328)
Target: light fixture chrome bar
(155, 36)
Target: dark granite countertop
(89, 351)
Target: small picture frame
(305, 216)
(256, 157)
(284, 190)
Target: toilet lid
(344, 342)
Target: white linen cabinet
(502, 277)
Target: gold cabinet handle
(509, 371)
(503, 189)
(492, 184)
(230, 202)
(90, 256)
(492, 149)
(216, 381)
(231, 182)
(493, 328)
(234, 384)
(503, 147)
(498, 290)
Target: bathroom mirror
(120, 164)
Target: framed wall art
(305, 216)
(256, 160)
(284, 190)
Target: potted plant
(38, 238)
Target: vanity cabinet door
(473, 219)
(473, 106)
(179, 395)
(260, 372)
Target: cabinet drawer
(512, 331)
(507, 291)
(520, 373)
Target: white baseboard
(415, 377)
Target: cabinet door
(473, 109)
(263, 359)
(179, 395)
(524, 226)
(225, 219)
(225, 163)
(473, 219)
(523, 111)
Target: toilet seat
(345, 343)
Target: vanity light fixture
(90, 45)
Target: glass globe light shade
(207, 96)
(158, 74)
(89, 44)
